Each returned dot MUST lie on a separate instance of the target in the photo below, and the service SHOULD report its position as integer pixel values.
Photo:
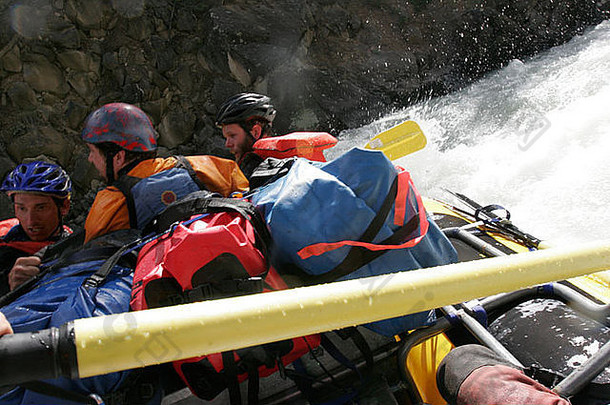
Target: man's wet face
(37, 214)
(237, 140)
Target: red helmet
(123, 124)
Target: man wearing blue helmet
(40, 192)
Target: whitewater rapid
(533, 137)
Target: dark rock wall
(327, 64)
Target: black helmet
(243, 106)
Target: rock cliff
(328, 65)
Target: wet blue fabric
(153, 194)
(336, 201)
(59, 297)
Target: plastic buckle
(316, 352)
(250, 285)
(176, 299)
(257, 284)
(93, 281)
(147, 391)
(202, 292)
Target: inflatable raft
(546, 308)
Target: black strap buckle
(93, 281)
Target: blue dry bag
(353, 217)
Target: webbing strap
(184, 209)
(124, 184)
(104, 270)
(55, 256)
(373, 229)
(336, 354)
(231, 377)
(358, 257)
(379, 219)
(54, 391)
(224, 289)
(362, 251)
(64, 247)
(253, 384)
(97, 278)
(354, 334)
(402, 195)
(302, 379)
(232, 381)
(183, 163)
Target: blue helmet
(38, 177)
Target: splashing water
(533, 137)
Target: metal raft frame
(473, 316)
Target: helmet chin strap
(250, 128)
(110, 167)
(60, 223)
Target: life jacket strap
(183, 163)
(220, 289)
(125, 183)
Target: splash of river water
(533, 137)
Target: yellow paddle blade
(399, 140)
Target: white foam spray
(533, 137)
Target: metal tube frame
(500, 303)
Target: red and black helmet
(123, 124)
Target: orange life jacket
(309, 145)
(109, 211)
